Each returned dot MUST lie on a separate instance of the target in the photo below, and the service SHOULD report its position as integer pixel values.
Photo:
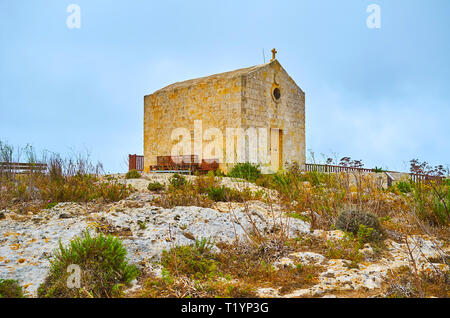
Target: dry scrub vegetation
(357, 204)
(72, 179)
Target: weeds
(203, 193)
(177, 181)
(404, 186)
(245, 171)
(400, 285)
(155, 186)
(132, 174)
(10, 288)
(360, 223)
(194, 261)
(74, 179)
(104, 268)
(236, 271)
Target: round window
(276, 93)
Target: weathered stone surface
(369, 276)
(308, 258)
(27, 240)
(24, 245)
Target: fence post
(131, 162)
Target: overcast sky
(380, 95)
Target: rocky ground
(146, 230)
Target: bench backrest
(176, 160)
(19, 167)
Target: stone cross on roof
(274, 52)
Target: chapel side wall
(259, 109)
(216, 102)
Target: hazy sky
(380, 95)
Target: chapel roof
(225, 75)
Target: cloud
(384, 133)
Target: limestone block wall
(216, 102)
(238, 99)
(261, 109)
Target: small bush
(83, 188)
(10, 288)
(155, 186)
(203, 183)
(432, 202)
(378, 170)
(177, 181)
(193, 261)
(346, 248)
(351, 220)
(183, 197)
(217, 194)
(404, 186)
(264, 181)
(133, 174)
(219, 173)
(50, 205)
(245, 171)
(104, 268)
(225, 194)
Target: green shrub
(50, 205)
(282, 181)
(104, 268)
(82, 188)
(177, 181)
(350, 220)
(432, 202)
(10, 288)
(377, 169)
(133, 174)
(440, 208)
(182, 197)
(155, 186)
(245, 171)
(195, 260)
(217, 194)
(203, 183)
(219, 173)
(264, 181)
(225, 194)
(404, 186)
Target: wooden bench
(22, 168)
(183, 164)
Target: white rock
(309, 258)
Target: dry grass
(400, 285)
(74, 179)
(325, 195)
(203, 192)
(236, 271)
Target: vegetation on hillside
(359, 204)
(202, 192)
(72, 179)
(10, 288)
(104, 269)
